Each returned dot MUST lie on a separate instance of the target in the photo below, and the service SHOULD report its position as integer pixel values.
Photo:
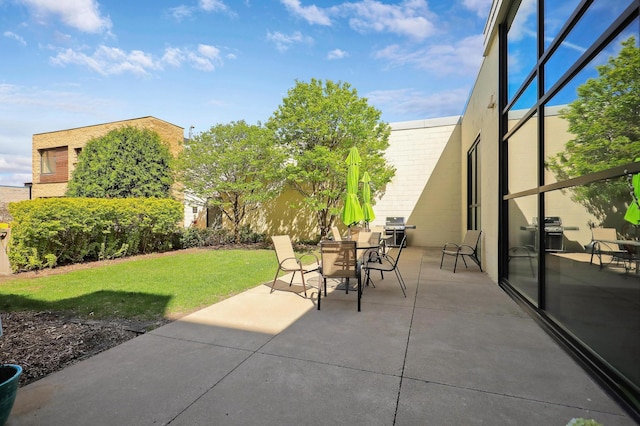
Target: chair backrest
(604, 234)
(339, 259)
(472, 238)
(396, 258)
(283, 247)
(336, 233)
(375, 237)
(354, 231)
(364, 236)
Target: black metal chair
(385, 262)
(469, 248)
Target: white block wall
(415, 149)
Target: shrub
(207, 237)
(50, 231)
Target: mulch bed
(45, 342)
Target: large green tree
(233, 166)
(317, 123)
(126, 162)
(605, 122)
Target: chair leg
(273, 284)
(359, 291)
(442, 260)
(368, 279)
(401, 281)
(475, 259)
(304, 286)
(320, 292)
(455, 264)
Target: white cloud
(420, 104)
(213, 5)
(109, 60)
(113, 61)
(285, 41)
(208, 51)
(15, 36)
(173, 56)
(481, 7)
(83, 15)
(312, 14)
(181, 12)
(524, 22)
(410, 18)
(462, 58)
(15, 170)
(337, 54)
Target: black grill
(553, 234)
(395, 227)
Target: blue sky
(73, 63)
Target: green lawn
(146, 288)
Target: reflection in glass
(592, 124)
(521, 45)
(48, 162)
(555, 15)
(525, 102)
(597, 18)
(523, 246)
(522, 155)
(599, 304)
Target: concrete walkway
(456, 351)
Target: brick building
(55, 154)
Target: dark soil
(45, 342)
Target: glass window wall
(597, 18)
(522, 263)
(593, 286)
(521, 45)
(522, 156)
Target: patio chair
(469, 248)
(601, 245)
(339, 259)
(385, 262)
(289, 262)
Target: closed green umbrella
(367, 208)
(633, 212)
(352, 211)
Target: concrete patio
(456, 351)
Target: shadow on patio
(457, 350)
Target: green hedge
(59, 231)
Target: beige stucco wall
(78, 137)
(480, 120)
(425, 154)
(285, 215)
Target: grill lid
(395, 221)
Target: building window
(48, 162)
(473, 186)
(569, 144)
(76, 155)
(54, 165)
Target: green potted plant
(9, 375)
